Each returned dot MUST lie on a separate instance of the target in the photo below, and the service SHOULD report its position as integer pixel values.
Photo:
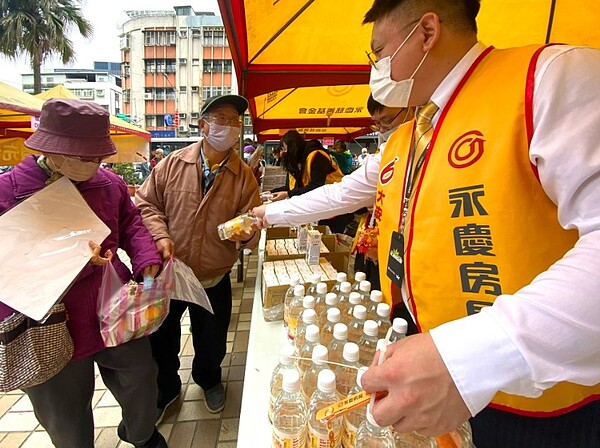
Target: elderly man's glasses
(222, 120)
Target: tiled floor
(187, 423)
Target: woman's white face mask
(384, 89)
(222, 138)
(75, 169)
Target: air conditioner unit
(148, 96)
(182, 128)
(124, 42)
(182, 115)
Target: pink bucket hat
(73, 128)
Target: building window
(226, 90)
(227, 65)
(247, 120)
(150, 66)
(195, 61)
(171, 66)
(159, 38)
(126, 70)
(149, 121)
(100, 93)
(84, 94)
(182, 89)
(50, 79)
(126, 95)
(170, 93)
(160, 94)
(161, 66)
(206, 92)
(182, 61)
(214, 37)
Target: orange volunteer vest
(479, 223)
(335, 176)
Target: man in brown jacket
(183, 200)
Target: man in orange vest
(489, 217)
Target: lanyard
(411, 179)
(208, 174)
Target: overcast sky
(105, 16)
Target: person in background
(499, 227)
(276, 156)
(182, 202)
(309, 166)
(257, 164)
(363, 156)
(158, 156)
(74, 137)
(342, 156)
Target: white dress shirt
(549, 331)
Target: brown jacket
(173, 206)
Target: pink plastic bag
(130, 311)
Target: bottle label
(286, 440)
(292, 326)
(330, 439)
(349, 434)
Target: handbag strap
(9, 336)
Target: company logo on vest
(466, 149)
(387, 172)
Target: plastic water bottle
(346, 375)
(375, 298)
(340, 278)
(399, 329)
(294, 311)
(371, 435)
(287, 299)
(336, 346)
(461, 437)
(353, 418)
(364, 287)
(315, 279)
(312, 339)
(286, 363)
(289, 414)
(320, 357)
(354, 299)
(358, 277)
(320, 297)
(383, 319)
(324, 434)
(331, 300)
(308, 317)
(368, 342)
(333, 317)
(241, 223)
(344, 295)
(356, 324)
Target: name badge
(395, 265)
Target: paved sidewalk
(187, 423)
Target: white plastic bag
(187, 286)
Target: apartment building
(171, 61)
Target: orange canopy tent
(281, 48)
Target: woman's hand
(279, 196)
(96, 259)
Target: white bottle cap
(340, 331)
(360, 312)
(294, 280)
(400, 325)
(286, 355)
(370, 328)
(355, 298)
(351, 352)
(359, 375)
(331, 299)
(322, 288)
(320, 354)
(315, 278)
(341, 277)
(333, 315)
(383, 310)
(345, 287)
(291, 381)
(326, 381)
(299, 290)
(365, 286)
(370, 418)
(376, 296)
(312, 333)
(308, 302)
(309, 316)
(359, 276)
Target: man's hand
(280, 196)
(96, 259)
(260, 212)
(421, 395)
(165, 247)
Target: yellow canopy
(280, 48)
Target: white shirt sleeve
(549, 331)
(355, 191)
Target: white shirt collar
(444, 91)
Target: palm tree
(40, 28)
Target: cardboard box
(290, 232)
(337, 254)
(274, 289)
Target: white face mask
(222, 138)
(384, 89)
(75, 169)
